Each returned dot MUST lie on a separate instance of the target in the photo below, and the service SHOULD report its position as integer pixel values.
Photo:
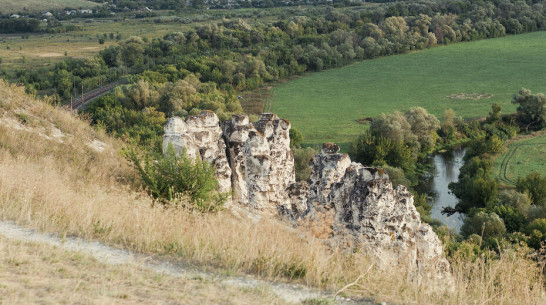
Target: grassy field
(523, 155)
(30, 6)
(325, 106)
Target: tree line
(495, 218)
(205, 68)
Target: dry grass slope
(53, 179)
(41, 274)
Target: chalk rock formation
(236, 133)
(201, 137)
(261, 161)
(298, 193)
(275, 133)
(327, 167)
(384, 222)
(352, 205)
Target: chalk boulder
(384, 222)
(262, 162)
(201, 137)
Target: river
(447, 171)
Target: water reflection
(447, 171)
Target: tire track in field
(503, 169)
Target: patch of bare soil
(364, 120)
(49, 55)
(469, 96)
(253, 102)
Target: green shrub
(537, 224)
(513, 220)
(397, 176)
(372, 150)
(296, 137)
(302, 157)
(536, 239)
(171, 177)
(533, 185)
(483, 224)
(518, 201)
(475, 187)
(531, 109)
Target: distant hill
(33, 6)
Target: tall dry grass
(70, 188)
(33, 273)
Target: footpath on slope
(289, 292)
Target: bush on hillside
(171, 177)
(397, 176)
(296, 137)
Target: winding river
(447, 171)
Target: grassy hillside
(523, 155)
(34, 273)
(57, 174)
(467, 77)
(24, 6)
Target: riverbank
(448, 165)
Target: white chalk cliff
(254, 161)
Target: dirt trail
(109, 255)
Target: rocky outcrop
(327, 168)
(346, 203)
(201, 137)
(384, 222)
(298, 193)
(236, 133)
(261, 160)
(273, 137)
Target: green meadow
(466, 77)
(522, 157)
